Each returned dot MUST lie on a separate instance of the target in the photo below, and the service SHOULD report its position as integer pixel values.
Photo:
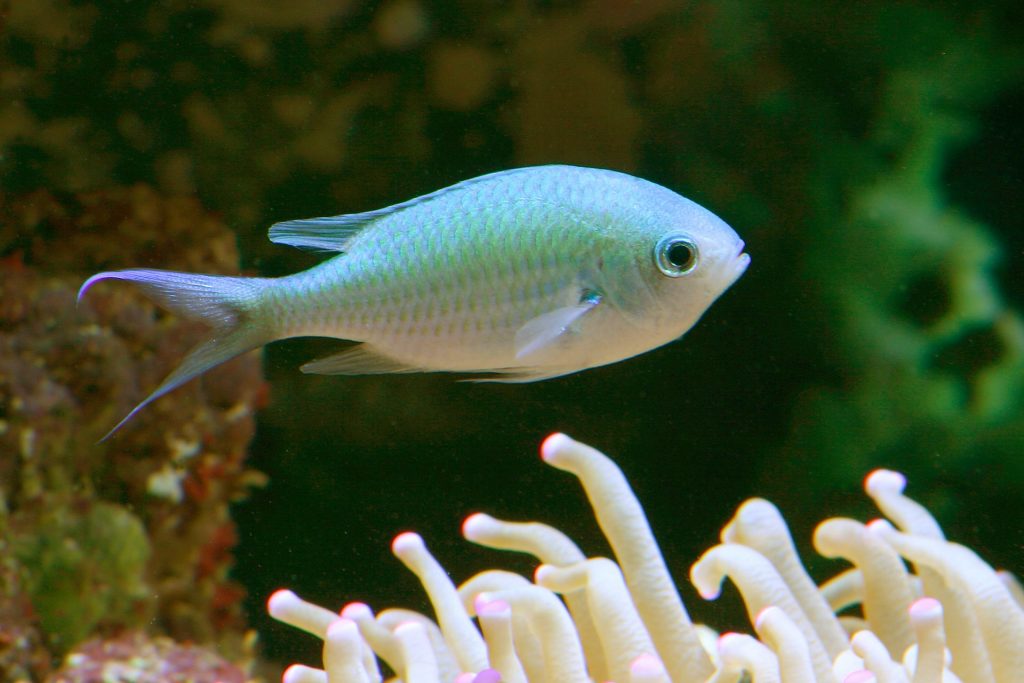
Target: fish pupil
(680, 255)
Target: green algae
(84, 568)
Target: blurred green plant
(927, 345)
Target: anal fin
(522, 375)
(362, 359)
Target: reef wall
(133, 532)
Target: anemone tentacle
(952, 619)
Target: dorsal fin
(332, 233)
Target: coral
(136, 658)
(623, 620)
(134, 531)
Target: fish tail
(227, 304)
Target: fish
(520, 275)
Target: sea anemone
(931, 611)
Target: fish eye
(675, 255)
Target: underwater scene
(743, 282)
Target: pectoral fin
(540, 333)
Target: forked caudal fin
(224, 303)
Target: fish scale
(524, 274)
(444, 292)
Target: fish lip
(742, 259)
(739, 264)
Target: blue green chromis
(523, 275)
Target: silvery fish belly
(521, 275)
